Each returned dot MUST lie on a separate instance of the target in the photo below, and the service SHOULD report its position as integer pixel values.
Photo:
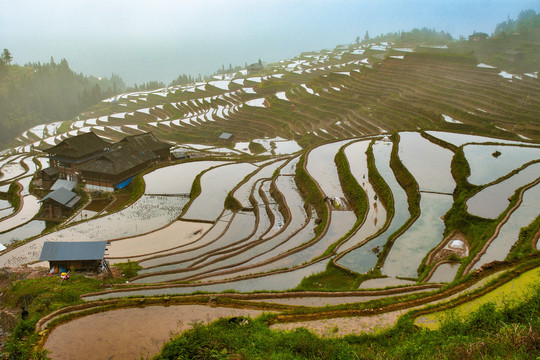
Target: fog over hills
(143, 41)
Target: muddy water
(321, 166)
(364, 258)
(428, 163)
(493, 200)
(215, 184)
(376, 216)
(509, 233)
(461, 139)
(486, 168)
(444, 273)
(424, 234)
(130, 333)
(176, 179)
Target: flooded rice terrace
(105, 336)
(271, 244)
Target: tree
(366, 37)
(6, 57)
(358, 39)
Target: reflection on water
(176, 179)
(444, 273)
(509, 233)
(486, 168)
(29, 209)
(130, 333)
(243, 192)
(240, 228)
(493, 200)
(376, 216)
(322, 168)
(32, 228)
(424, 234)
(428, 163)
(271, 282)
(364, 258)
(215, 184)
(461, 139)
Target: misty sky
(145, 40)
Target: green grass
(511, 332)
(13, 196)
(333, 278)
(41, 296)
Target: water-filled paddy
(424, 234)
(105, 336)
(29, 209)
(176, 179)
(509, 233)
(266, 171)
(321, 166)
(493, 200)
(32, 228)
(12, 170)
(486, 168)
(376, 216)
(444, 273)
(271, 282)
(428, 163)
(215, 184)
(364, 258)
(146, 214)
(461, 139)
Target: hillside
(43, 93)
(368, 194)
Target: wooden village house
(59, 204)
(104, 166)
(72, 152)
(116, 168)
(81, 255)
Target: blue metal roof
(80, 250)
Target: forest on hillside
(41, 93)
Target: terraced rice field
(276, 206)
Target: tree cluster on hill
(41, 93)
(527, 20)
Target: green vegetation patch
(13, 195)
(256, 148)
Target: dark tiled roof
(118, 160)
(63, 196)
(79, 146)
(82, 250)
(51, 171)
(146, 141)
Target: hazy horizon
(143, 41)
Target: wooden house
(147, 141)
(72, 152)
(82, 255)
(59, 204)
(114, 169)
(48, 177)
